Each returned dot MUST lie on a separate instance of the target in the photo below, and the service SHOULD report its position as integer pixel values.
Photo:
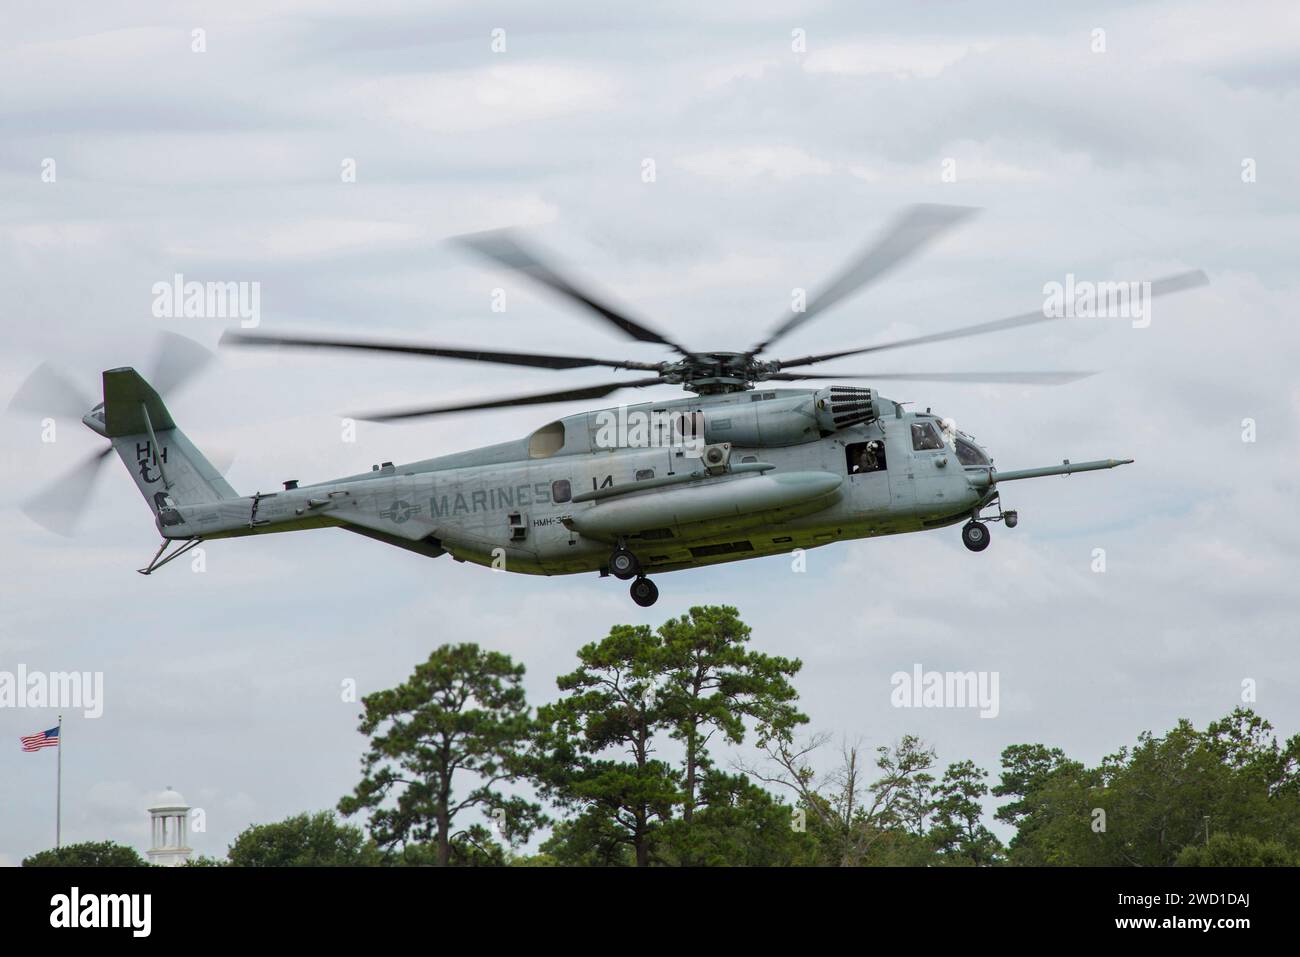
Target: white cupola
(170, 830)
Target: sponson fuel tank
(772, 420)
(704, 509)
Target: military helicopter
(731, 471)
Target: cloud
(773, 170)
(495, 96)
(898, 58)
(778, 162)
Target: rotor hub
(710, 373)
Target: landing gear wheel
(644, 592)
(975, 536)
(624, 564)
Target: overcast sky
(772, 166)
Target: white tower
(170, 832)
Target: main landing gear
(624, 565)
(644, 592)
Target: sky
(782, 137)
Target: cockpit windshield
(925, 436)
(968, 453)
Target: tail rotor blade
(48, 392)
(221, 459)
(177, 359)
(60, 505)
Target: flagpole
(58, 794)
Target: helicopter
(733, 470)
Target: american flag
(46, 739)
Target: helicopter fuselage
(551, 504)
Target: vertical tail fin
(166, 466)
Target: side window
(863, 457)
(925, 436)
(643, 474)
(561, 491)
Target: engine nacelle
(841, 406)
(766, 423)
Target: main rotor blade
(59, 506)
(503, 247)
(446, 352)
(48, 392)
(176, 360)
(588, 392)
(1159, 287)
(1021, 378)
(906, 236)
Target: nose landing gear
(644, 592)
(975, 536)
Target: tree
(87, 854)
(473, 846)
(958, 833)
(611, 705)
(593, 839)
(711, 683)
(847, 815)
(1234, 850)
(1146, 805)
(304, 840)
(738, 824)
(1025, 769)
(1053, 807)
(462, 714)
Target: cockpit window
(925, 436)
(968, 453)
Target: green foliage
(738, 824)
(472, 847)
(87, 854)
(958, 836)
(440, 744)
(626, 752)
(710, 683)
(315, 840)
(854, 822)
(611, 705)
(1236, 850)
(592, 839)
(692, 680)
(1143, 806)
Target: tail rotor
(50, 393)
